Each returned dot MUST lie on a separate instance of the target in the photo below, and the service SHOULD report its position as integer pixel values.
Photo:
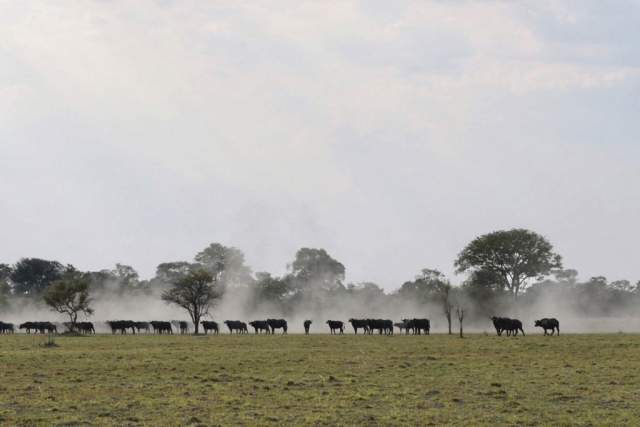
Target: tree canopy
(70, 296)
(225, 263)
(511, 257)
(316, 269)
(34, 275)
(196, 293)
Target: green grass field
(321, 380)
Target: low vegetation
(320, 380)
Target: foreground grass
(321, 380)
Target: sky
(389, 133)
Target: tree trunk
(449, 322)
(196, 324)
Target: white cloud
(388, 129)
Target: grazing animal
(6, 328)
(410, 326)
(182, 326)
(209, 325)
(46, 327)
(401, 325)
(307, 326)
(81, 327)
(161, 327)
(260, 326)
(141, 326)
(500, 323)
(121, 326)
(420, 325)
(511, 326)
(546, 324)
(514, 325)
(381, 325)
(277, 324)
(29, 326)
(86, 328)
(359, 324)
(335, 325)
(236, 325)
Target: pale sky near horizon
(388, 133)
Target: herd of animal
(269, 326)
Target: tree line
(501, 270)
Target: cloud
(389, 133)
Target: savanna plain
(320, 380)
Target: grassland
(321, 380)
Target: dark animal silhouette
(381, 325)
(161, 327)
(7, 328)
(181, 325)
(547, 324)
(277, 324)
(141, 326)
(359, 324)
(209, 325)
(514, 325)
(409, 326)
(401, 325)
(335, 325)
(421, 325)
(86, 328)
(39, 327)
(121, 326)
(236, 325)
(28, 327)
(307, 326)
(81, 327)
(511, 326)
(260, 326)
(500, 323)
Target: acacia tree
(512, 256)
(197, 293)
(70, 296)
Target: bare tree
(446, 303)
(460, 313)
(196, 293)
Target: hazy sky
(389, 133)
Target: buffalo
(335, 325)
(6, 328)
(307, 325)
(546, 324)
(381, 325)
(161, 327)
(141, 326)
(277, 324)
(40, 327)
(359, 324)
(259, 326)
(81, 327)
(511, 326)
(28, 327)
(181, 325)
(236, 325)
(121, 326)
(401, 325)
(421, 325)
(209, 325)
